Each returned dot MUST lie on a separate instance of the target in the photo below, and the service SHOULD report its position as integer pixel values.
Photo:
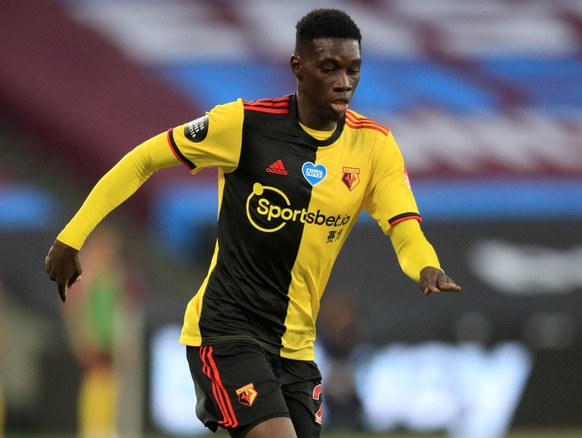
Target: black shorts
(239, 385)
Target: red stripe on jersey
(274, 106)
(268, 102)
(352, 116)
(363, 122)
(368, 126)
(402, 219)
(210, 369)
(268, 110)
(176, 151)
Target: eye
(328, 69)
(354, 69)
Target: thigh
(303, 397)
(273, 427)
(235, 386)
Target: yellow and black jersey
(287, 202)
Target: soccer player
(293, 174)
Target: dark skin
(328, 73)
(63, 266)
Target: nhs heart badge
(314, 174)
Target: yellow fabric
(319, 135)
(364, 170)
(116, 186)
(388, 193)
(98, 403)
(138, 165)
(374, 160)
(414, 252)
(221, 146)
(369, 154)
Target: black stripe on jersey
(403, 217)
(177, 151)
(247, 292)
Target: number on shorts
(317, 396)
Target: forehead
(325, 48)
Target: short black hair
(326, 23)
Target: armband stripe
(404, 217)
(179, 155)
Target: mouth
(340, 106)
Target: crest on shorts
(351, 177)
(247, 394)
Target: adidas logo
(278, 168)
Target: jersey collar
(313, 142)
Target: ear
(295, 64)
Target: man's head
(326, 63)
(325, 23)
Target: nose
(343, 82)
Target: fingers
(62, 286)
(74, 279)
(63, 267)
(62, 291)
(446, 284)
(442, 287)
(431, 290)
(435, 281)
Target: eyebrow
(336, 61)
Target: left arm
(418, 259)
(62, 262)
(390, 201)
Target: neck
(311, 117)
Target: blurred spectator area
(488, 93)
(72, 92)
(484, 98)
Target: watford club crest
(247, 394)
(351, 177)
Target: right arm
(213, 140)
(62, 262)
(116, 186)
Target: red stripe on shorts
(221, 396)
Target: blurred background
(485, 100)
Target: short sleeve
(213, 140)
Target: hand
(434, 280)
(63, 267)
